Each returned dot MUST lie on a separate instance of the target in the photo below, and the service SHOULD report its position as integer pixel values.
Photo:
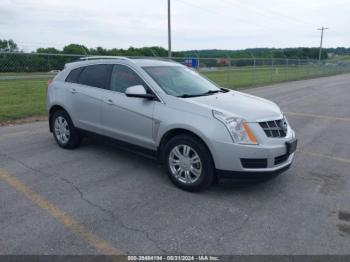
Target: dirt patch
(24, 120)
(344, 228)
(329, 183)
(343, 215)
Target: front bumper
(251, 176)
(229, 158)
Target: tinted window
(123, 77)
(95, 75)
(74, 74)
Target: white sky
(197, 24)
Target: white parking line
(69, 222)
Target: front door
(125, 118)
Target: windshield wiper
(212, 92)
(187, 95)
(202, 94)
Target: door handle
(109, 101)
(73, 90)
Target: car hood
(248, 107)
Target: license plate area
(291, 146)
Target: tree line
(290, 53)
(32, 62)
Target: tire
(64, 132)
(186, 174)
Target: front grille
(254, 162)
(273, 128)
(281, 159)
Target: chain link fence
(226, 72)
(24, 76)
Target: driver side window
(123, 77)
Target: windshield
(181, 81)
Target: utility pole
(320, 52)
(169, 31)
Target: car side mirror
(138, 91)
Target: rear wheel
(189, 163)
(64, 132)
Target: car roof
(137, 61)
(154, 62)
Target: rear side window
(74, 75)
(95, 75)
(123, 77)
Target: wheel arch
(179, 131)
(52, 110)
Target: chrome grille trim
(273, 128)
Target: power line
(199, 7)
(247, 6)
(266, 12)
(214, 12)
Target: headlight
(237, 127)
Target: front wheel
(189, 163)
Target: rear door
(88, 96)
(125, 118)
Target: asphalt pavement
(100, 199)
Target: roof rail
(167, 59)
(88, 58)
(103, 57)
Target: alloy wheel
(62, 130)
(185, 164)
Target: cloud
(196, 24)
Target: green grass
(22, 98)
(341, 58)
(25, 98)
(23, 75)
(243, 77)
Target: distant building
(223, 61)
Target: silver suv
(199, 131)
